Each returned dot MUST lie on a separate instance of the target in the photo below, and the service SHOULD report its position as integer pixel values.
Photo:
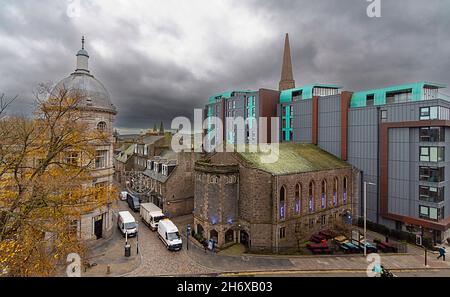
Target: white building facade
(99, 113)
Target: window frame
(101, 126)
(428, 156)
(429, 113)
(431, 134)
(101, 161)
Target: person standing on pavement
(205, 245)
(441, 253)
(213, 245)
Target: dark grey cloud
(164, 58)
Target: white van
(151, 215)
(169, 235)
(127, 224)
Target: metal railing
(439, 95)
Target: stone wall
(258, 201)
(102, 175)
(216, 203)
(178, 190)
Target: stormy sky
(162, 58)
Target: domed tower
(99, 113)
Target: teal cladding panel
(307, 92)
(359, 99)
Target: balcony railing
(438, 95)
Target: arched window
(298, 198)
(311, 196)
(282, 202)
(323, 194)
(335, 191)
(345, 189)
(101, 126)
(213, 179)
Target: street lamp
(137, 239)
(188, 230)
(365, 215)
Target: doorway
(244, 238)
(98, 226)
(214, 235)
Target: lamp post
(365, 215)
(424, 247)
(127, 246)
(188, 230)
(137, 238)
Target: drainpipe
(378, 163)
(276, 213)
(361, 194)
(238, 215)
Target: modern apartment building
(396, 137)
(244, 105)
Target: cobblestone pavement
(111, 253)
(155, 260)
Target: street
(430, 273)
(155, 260)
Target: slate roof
(126, 151)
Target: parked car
(127, 224)
(133, 202)
(123, 195)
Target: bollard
(127, 250)
(108, 269)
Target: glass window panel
(433, 154)
(424, 210)
(433, 113)
(433, 213)
(425, 113)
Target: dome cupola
(96, 96)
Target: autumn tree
(46, 182)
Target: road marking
(287, 272)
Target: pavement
(111, 253)
(155, 260)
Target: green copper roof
(226, 95)
(359, 98)
(296, 158)
(307, 91)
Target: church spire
(287, 77)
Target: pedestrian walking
(441, 253)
